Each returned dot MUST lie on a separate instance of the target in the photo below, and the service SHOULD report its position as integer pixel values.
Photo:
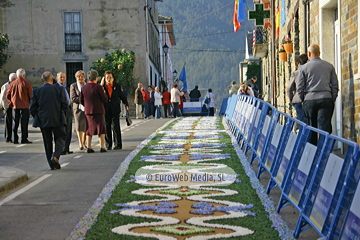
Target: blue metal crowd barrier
(311, 176)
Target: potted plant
(282, 54)
(288, 45)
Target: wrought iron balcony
(72, 42)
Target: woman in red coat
(93, 98)
(166, 102)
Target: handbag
(128, 118)
(207, 100)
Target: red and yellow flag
(236, 20)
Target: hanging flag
(182, 78)
(277, 21)
(283, 13)
(241, 11)
(236, 20)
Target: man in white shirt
(7, 109)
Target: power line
(208, 50)
(199, 17)
(205, 35)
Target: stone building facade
(334, 25)
(69, 35)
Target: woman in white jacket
(158, 102)
(211, 105)
(175, 98)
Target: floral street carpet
(189, 181)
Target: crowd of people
(95, 107)
(166, 104)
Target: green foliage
(121, 63)
(253, 69)
(4, 43)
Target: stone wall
(36, 33)
(350, 83)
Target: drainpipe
(272, 47)
(147, 40)
(306, 4)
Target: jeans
(176, 108)
(158, 115)
(300, 112)
(318, 113)
(145, 110)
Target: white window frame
(80, 30)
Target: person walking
(78, 108)
(50, 117)
(8, 111)
(122, 105)
(93, 98)
(158, 102)
(166, 102)
(291, 90)
(61, 81)
(317, 91)
(175, 98)
(112, 110)
(211, 105)
(138, 100)
(18, 96)
(195, 94)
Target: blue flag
(283, 13)
(241, 11)
(182, 78)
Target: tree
(121, 63)
(253, 69)
(4, 42)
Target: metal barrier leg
(270, 186)
(282, 203)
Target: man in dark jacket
(195, 94)
(50, 117)
(61, 81)
(251, 83)
(112, 110)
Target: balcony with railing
(72, 42)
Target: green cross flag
(259, 14)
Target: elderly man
(317, 91)
(7, 109)
(61, 81)
(50, 117)
(18, 96)
(138, 100)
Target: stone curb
(11, 178)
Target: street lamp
(174, 73)
(165, 50)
